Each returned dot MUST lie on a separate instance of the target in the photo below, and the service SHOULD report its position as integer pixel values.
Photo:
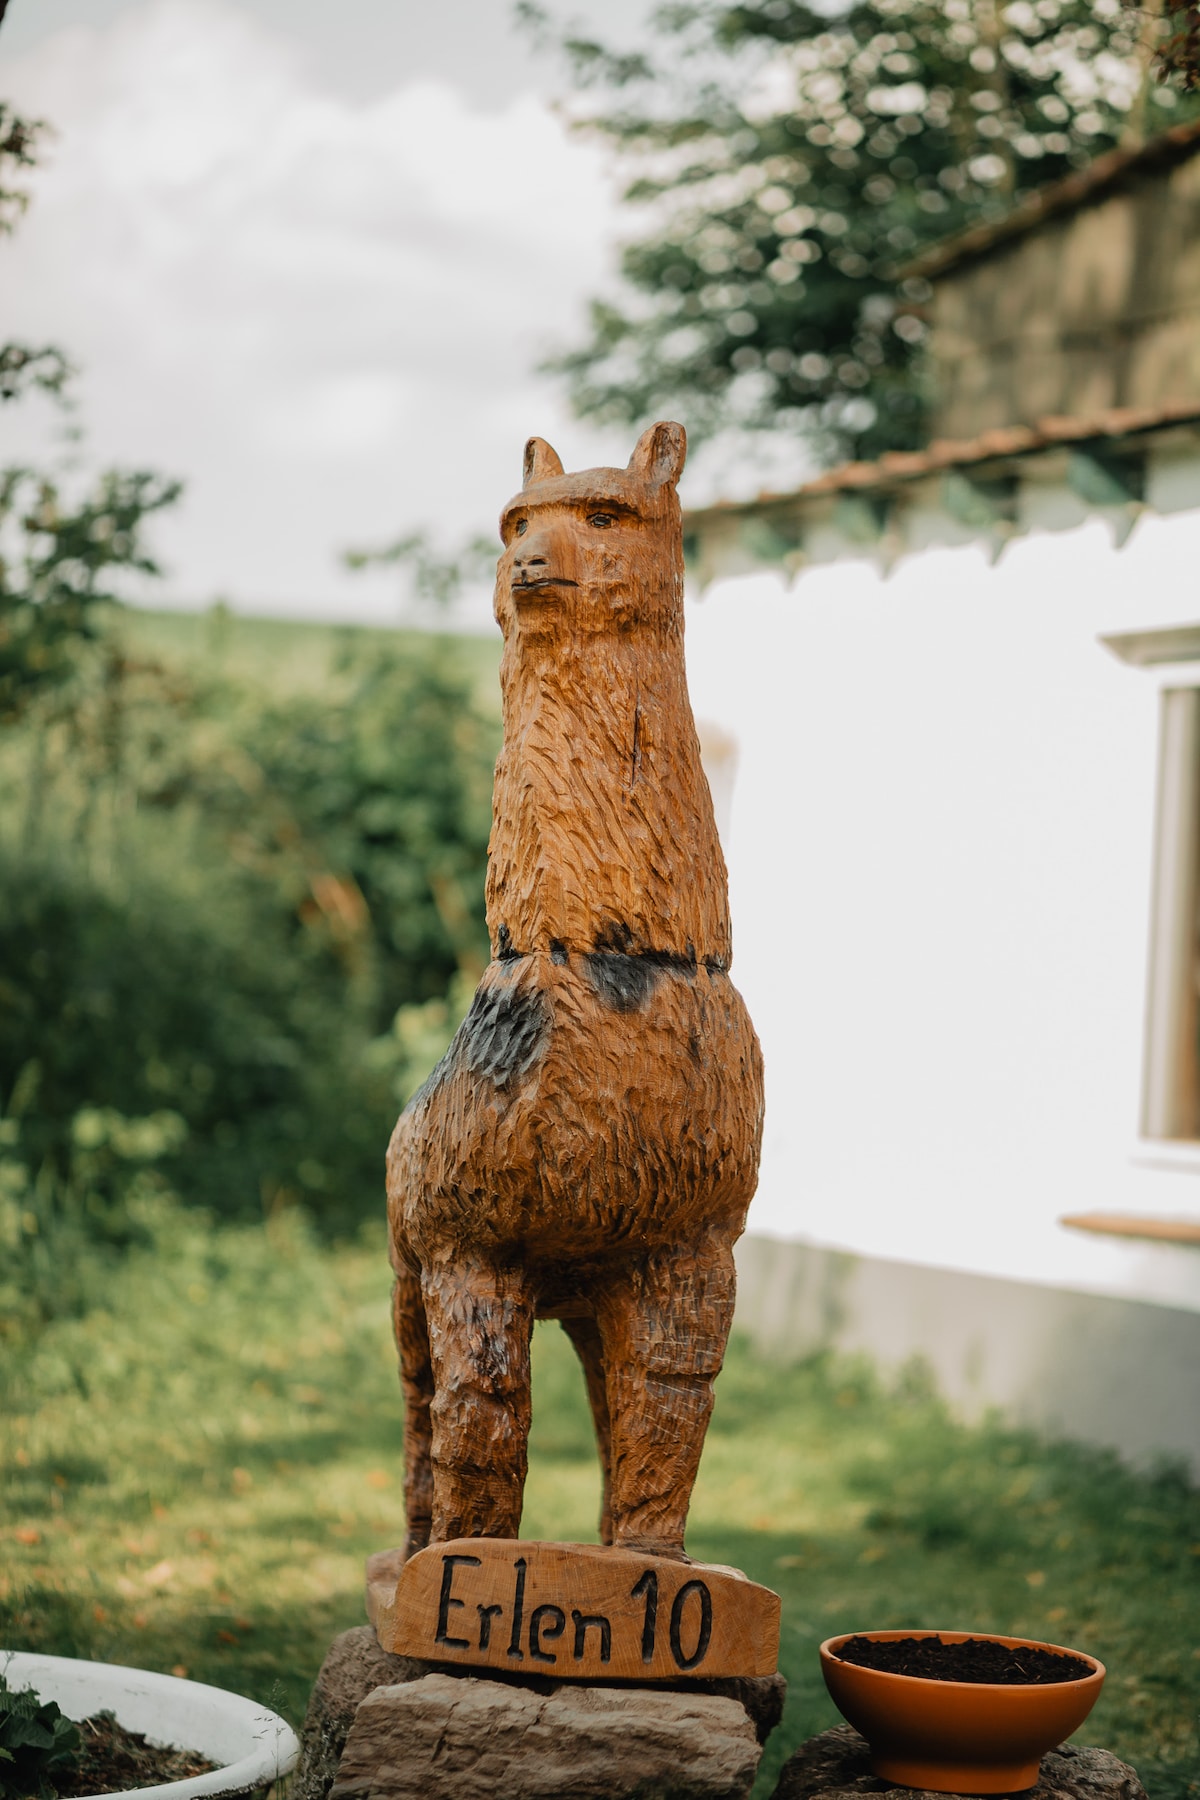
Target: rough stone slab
(450, 1737)
(837, 1765)
(355, 1665)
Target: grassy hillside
(285, 655)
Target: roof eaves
(1083, 188)
(898, 467)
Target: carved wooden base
(573, 1612)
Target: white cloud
(324, 316)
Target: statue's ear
(541, 462)
(659, 454)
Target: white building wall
(940, 856)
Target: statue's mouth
(545, 582)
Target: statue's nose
(532, 551)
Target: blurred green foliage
(56, 562)
(235, 930)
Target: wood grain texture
(574, 1612)
(587, 1148)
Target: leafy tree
(381, 796)
(57, 556)
(436, 577)
(57, 560)
(1179, 51)
(22, 366)
(791, 160)
(363, 809)
(18, 145)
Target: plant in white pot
(249, 1745)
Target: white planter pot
(251, 1745)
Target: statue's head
(596, 553)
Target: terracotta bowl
(958, 1737)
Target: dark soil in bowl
(976, 1659)
(111, 1759)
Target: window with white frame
(1170, 1108)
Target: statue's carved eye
(522, 527)
(602, 520)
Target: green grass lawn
(192, 1477)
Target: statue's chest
(593, 1024)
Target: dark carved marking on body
(504, 1032)
(624, 979)
(576, 1610)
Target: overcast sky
(307, 257)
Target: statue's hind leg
(416, 1381)
(585, 1335)
(480, 1320)
(664, 1326)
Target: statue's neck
(603, 834)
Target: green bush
(259, 920)
(167, 1001)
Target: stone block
(355, 1665)
(450, 1737)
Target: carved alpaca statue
(587, 1148)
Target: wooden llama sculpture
(587, 1148)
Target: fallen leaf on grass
(378, 1478)
(25, 1534)
(159, 1575)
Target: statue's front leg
(664, 1326)
(480, 1320)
